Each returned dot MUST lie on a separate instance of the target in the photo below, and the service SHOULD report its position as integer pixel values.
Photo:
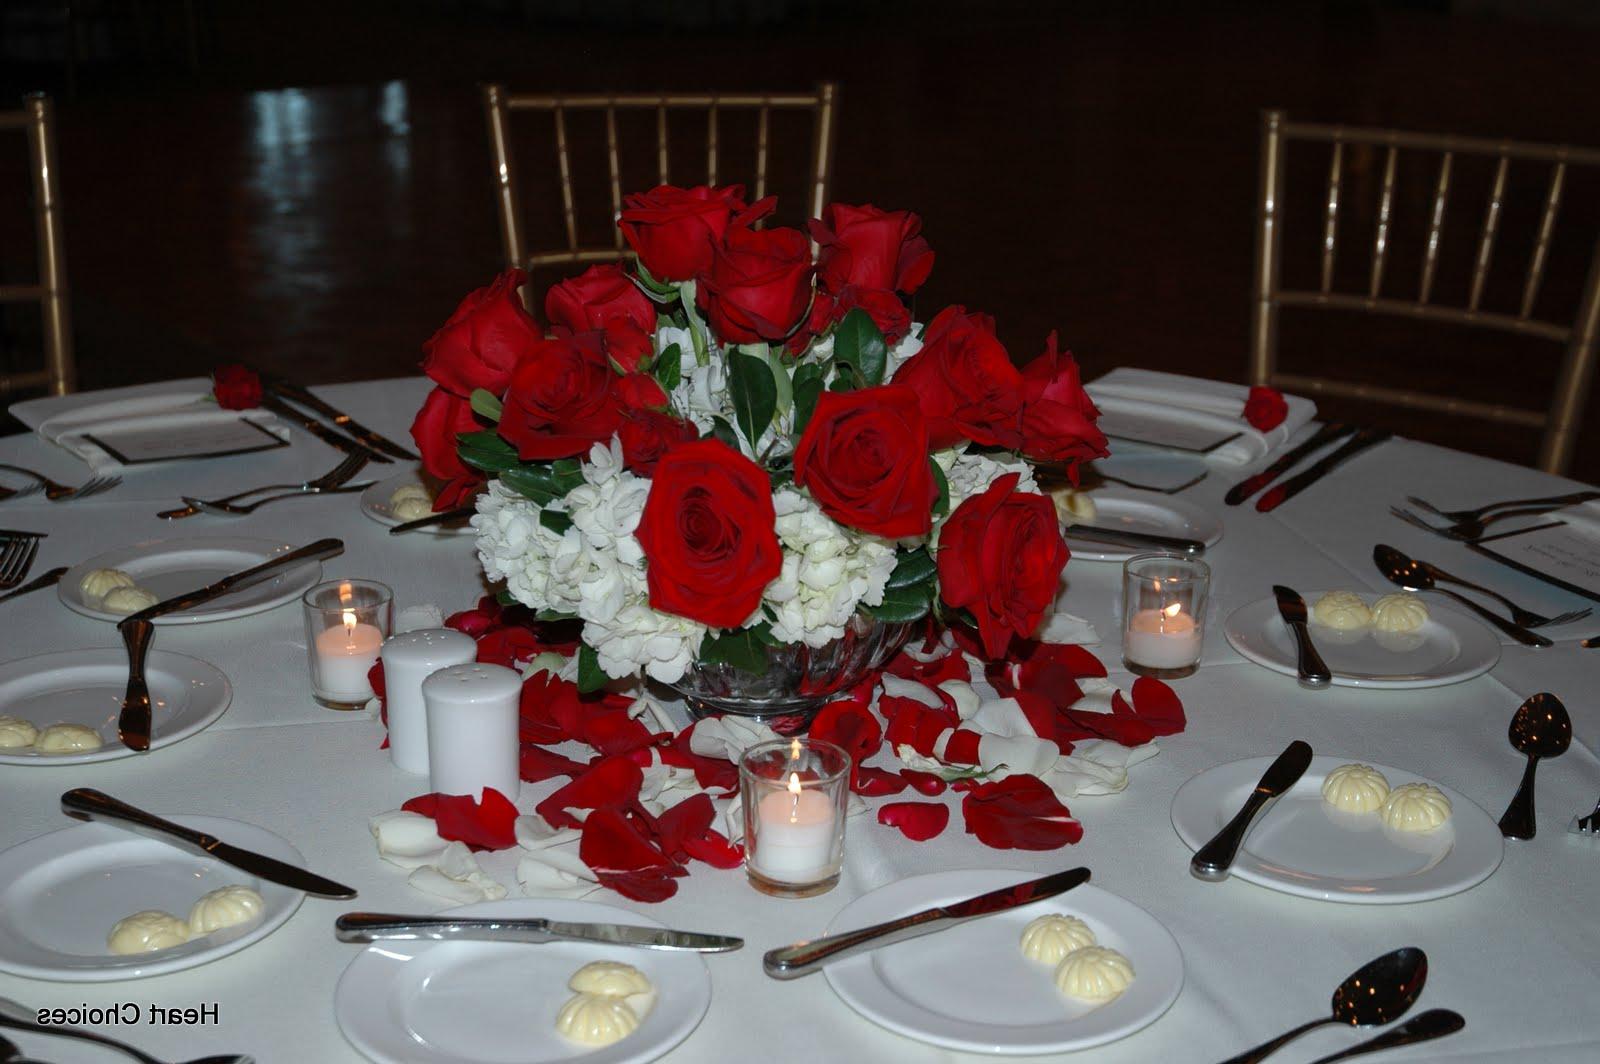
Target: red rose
(596, 296)
(1265, 409)
(627, 345)
(236, 387)
(707, 533)
(822, 316)
(647, 435)
(871, 248)
(442, 418)
(968, 388)
(560, 402)
(864, 458)
(674, 229)
(758, 286)
(1000, 556)
(886, 310)
(640, 391)
(1058, 417)
(484, 340)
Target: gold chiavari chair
(1560, 421)
(50, 291)
(823, 104)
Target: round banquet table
(1518, 955)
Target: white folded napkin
(182, 407)
(1147, 392)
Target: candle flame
(794, 783)
(1173, 610)
(794, 793)
(349, 622)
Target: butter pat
(593, 1020)
(609, 979)
(67, 739)
(1402, 612)
(1355, 788)
(128, 600)
(1051, 937)
(146, 932)
(224, 907)
(1073, 507)
(1416, 807)
(1094, 973)
(16, 733)
(411, 501)
(97, 582)
(1342, 611)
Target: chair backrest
(58, 376)
(500, 103)
(1560, 421)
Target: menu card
(1180, 434)
(1566, 554)
(195, 438)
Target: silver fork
(16, 558)
(58, 492)
(1590, 825)
(1473, 515)
(235, 510)
(31, 488)
(1525, 617)
(339, 474)
(1468, 531)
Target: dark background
(306, 185)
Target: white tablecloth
(1519, 955)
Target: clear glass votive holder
(1163, 614)
(794, 793)
(346, 624)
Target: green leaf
(941, 502)
(912, 567)
(780, 380)
(858, 342)
(486, 451)
(543, 482)
(554, 615)
(505, 597)
(591, 677)
(808, 385)
(721, 430)
(754, 394)
(741, 648)
(661, 291)
(486, 404)
(903, 604)
(669, 367)
(555, 520)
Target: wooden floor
(317, 197)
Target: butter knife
(378, 927)
(1212, 861)
(86, 804)
(789, 962)
(137, 630)
(1255, 482)
(1278, 494)
(1096, 534)
(337, 440)
(1314, 672)
(44, 580)
(293, 392)
(1435, 1023)
(444, 517)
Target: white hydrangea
(828, 570)
(971, 474)
(541, 567)
(901, 352)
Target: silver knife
(133, 725)
(52, 577)
(337, 440)
(1095, 533)
(1314, 672)
(1276, 495)
(1212, 861)
(444, 517)
(86, 804)
(291, 391)
(378, 927)
(789, 962)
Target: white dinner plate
(1451, 646)
(496, 1002)
(1303, 846)
(375, 504)
(171, 567)
(1131, 510)
(86, 687)
(970, 987)
(63, 892)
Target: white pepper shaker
(408, 659)
(472, 729)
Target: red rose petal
(537, 764)
(1019, 812)
(915, 724)
(876, 782)
(917, 821)
(1158, 706)
(712, 773)
(924, 782)
(611, 783)
(623, 859)
(685, 831)
(489, 824)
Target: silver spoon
(1435, 1023)
(1539, 728)
(18, 1018)
(1405, 572)
(1380, 991)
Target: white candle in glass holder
(409, 659)
(345, 654)
(794, 834)
(1162, 639)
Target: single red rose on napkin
(647, 435)
(484, 340)
(758, 286)
(673, 230)
(1019, 813)
(1265, 408)
(708, 534)
(864, 458)
(1058, 417)
(622, 857)
(867, 247)
(561, 400)
(1001, 556)
(917, 821)
(610, 783)
(968, 388)
(442, 418)
(236, 387)
(486, 824)
(598, 295)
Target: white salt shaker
(472, 729)
(408, 659)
